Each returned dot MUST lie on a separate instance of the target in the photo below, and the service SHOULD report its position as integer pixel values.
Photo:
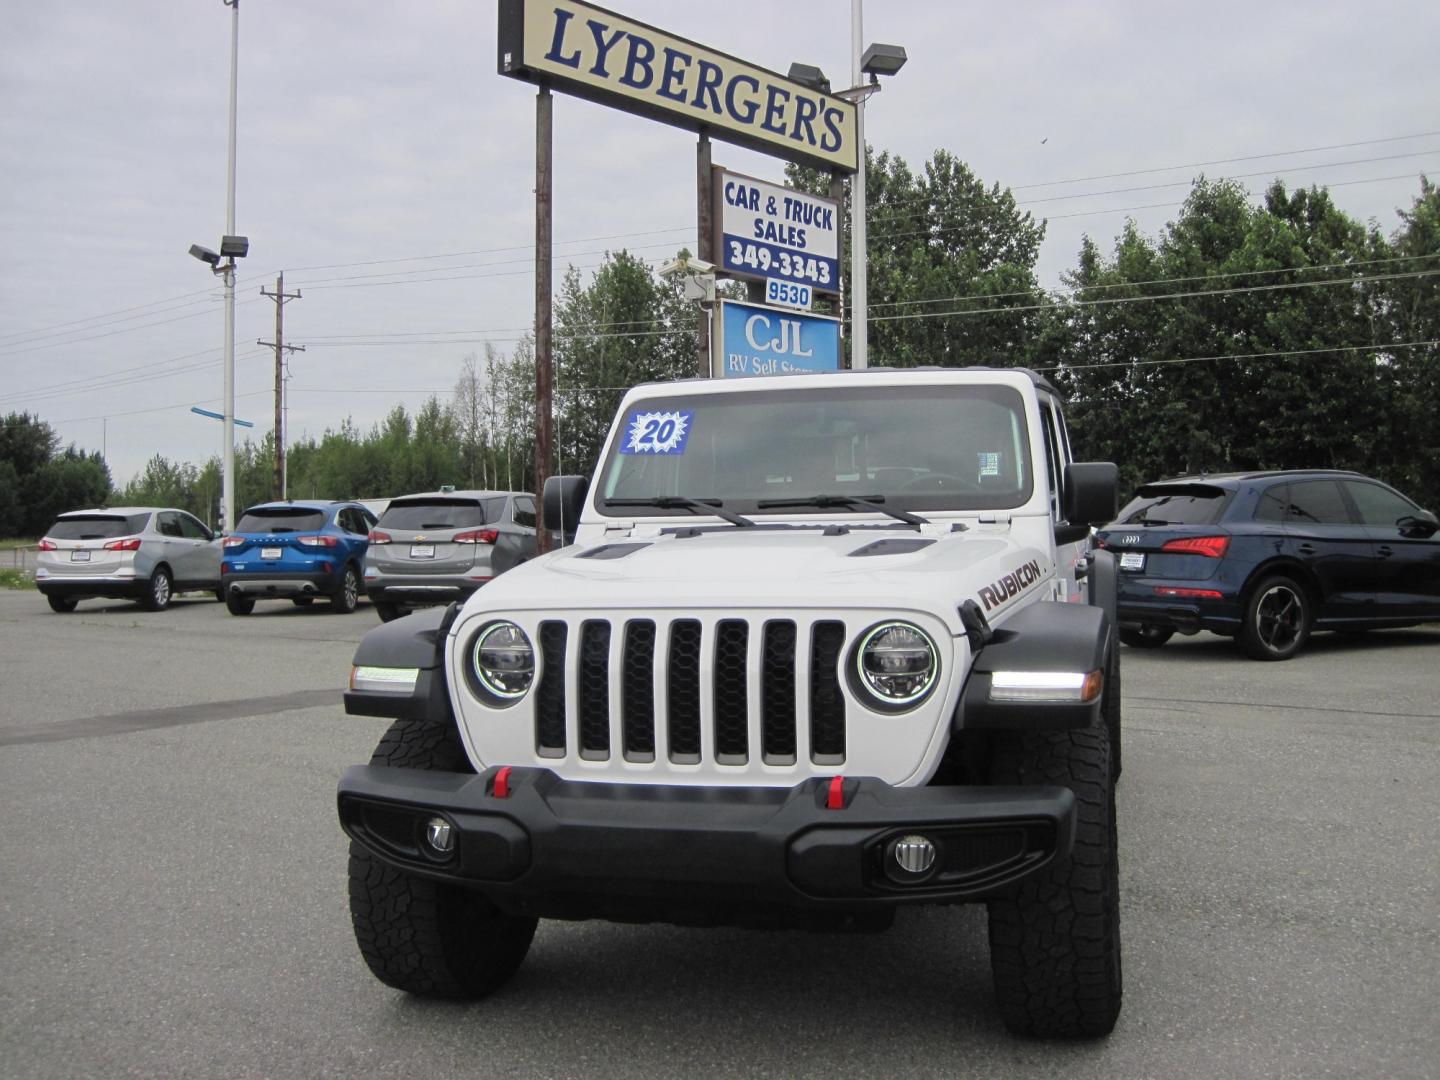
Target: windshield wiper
(1149, 521)
(682, 502)
(872, 502)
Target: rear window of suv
(439, 513)
(96, 526)
(276, 519)
(1175, 504)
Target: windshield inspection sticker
(656, 432)
(989, 464)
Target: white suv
(823, 646)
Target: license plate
(1132, 560)
(422, 551)
(270, 553)
(79, 556)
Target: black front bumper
(569, 849)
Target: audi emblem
(1130, 539)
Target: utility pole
(280, 296)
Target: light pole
(232, 247)
(875, 61)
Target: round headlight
(896, 664)
(504, 661)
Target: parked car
(296, 550)
(141, 553)
(1268, 557)
(439, 546)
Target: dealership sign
(597, 54)
(769, 231)
(755, 340)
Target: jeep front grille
(730, 692)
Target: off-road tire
(1055, 943)
(344, 599)
(1145, 637)
(62, 604)
(421, 936)
(1277, 619)
(1110, 709)
(159, 591)
(238, 603)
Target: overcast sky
(387, 169)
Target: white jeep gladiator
(822, 646)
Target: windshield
(442, 513)
(96, 527)
(913, 447)
(280, 519)
(1191, 504)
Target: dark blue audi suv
(1269, 557)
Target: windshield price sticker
(656, 432)
(788, 294)
(771, 231)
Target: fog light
(913, 854)
(440, 835)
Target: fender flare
(416, 641)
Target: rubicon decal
(1012, 584)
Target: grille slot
(550, 694)
(594, 690)
(827, 703)
(637, 708)
(682, 698)
(732, 737)
(777, 694)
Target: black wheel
(160, 592)
(1055, 944)
(1277, 619)
(1110, 709)
(344, 599)
(1146, 637)
(421, 936)
(302, 601)
(62, 604)
(239, 603)
(388, 611)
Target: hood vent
(611, 551)
(895, 545)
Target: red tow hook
(835, 800)
(502, 784)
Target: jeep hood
(934, 570)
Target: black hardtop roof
(1039, 380)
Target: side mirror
(561, 503)
(1092, 492)
(1419, 525)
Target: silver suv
(439, 546)
(140, 553)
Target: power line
(1224, 161)
(1245, 356)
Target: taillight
(1212, 547)
(317, 541)
(233, 541)
(46, 545)
(132, 544)
(1188, 594)
(377, 537)
(477, 536)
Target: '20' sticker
(656, 432)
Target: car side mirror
(1092, 492)
(1420, 526)
(561, 502)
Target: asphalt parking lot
(174, 885)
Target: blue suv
(296, 550)
(1267, 557)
